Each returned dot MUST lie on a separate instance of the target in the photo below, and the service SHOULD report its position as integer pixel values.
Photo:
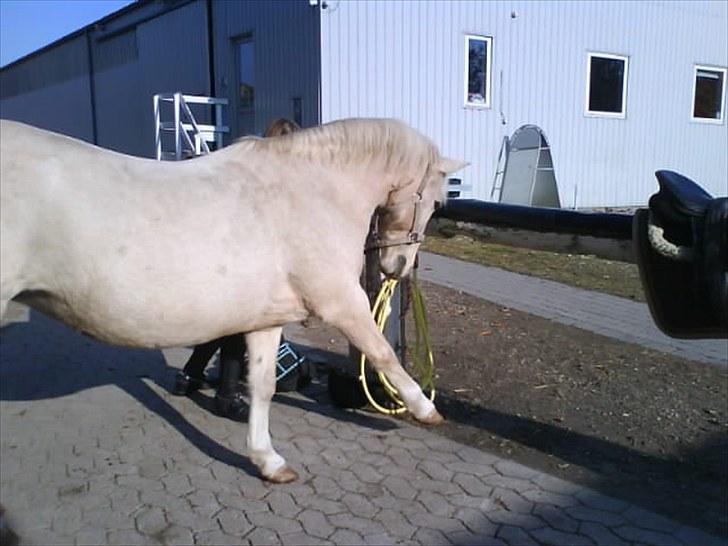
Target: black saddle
(687, 290)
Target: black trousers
(232, 351)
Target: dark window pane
(708, 94)
(606, 84)
(246, 74)
(477, 71)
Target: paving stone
(556, 518)
(504, 482)
(216, 538)
(367, 473)
(598, 501)
(555, 485)
(514, 470)
(150, 520)
(436, 470)
(547, 497)
(240, 502)
(436, 504)
(602, 535)
(127, 538)
(175, 534)
(552, 536)
(276, 523)
(282, 504)
(204, 503)
(396, 524)
(472, 485)
(326, 506)
(346, 537)
(422, 519)
(381, 539)
(524, 521)
(690, 535)
(510, 500)
(262, 535)
(315, 523)
(162, 499)
(302, 539)
(466, 538)
(472, 455)
(431, 537)
(90, 537)
(645, 536)
(355, 523)
(233, 522)
(67, 520)
(649, 520)
(400, 488)
(359, 505)
(476, 521)
(515, 536)
(192, 520)
(597, 516)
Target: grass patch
(582, 271)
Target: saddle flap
(679, 197)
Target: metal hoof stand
(287, 362)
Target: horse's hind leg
(262, 352)
(349, 312)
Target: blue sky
(27, 25)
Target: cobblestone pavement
(94, 451)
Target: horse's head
(402, 221)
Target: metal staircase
(190, 138)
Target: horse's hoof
(432, 418)
(285, 474)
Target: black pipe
(542, 220)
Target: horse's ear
(448, 166)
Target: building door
(245, 95)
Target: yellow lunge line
(381, 311)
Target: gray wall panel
(287, 57)
(406, 60)
(171, 56)
(51, 90)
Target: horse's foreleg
(349, 312)
(262, 352)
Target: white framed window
(606, 85)
(478, 56)
(708, 94)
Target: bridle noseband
(375, 241)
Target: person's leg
(191, 378)
(229, 398)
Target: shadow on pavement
(42, 359)
(657, 484)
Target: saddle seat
(679, 197)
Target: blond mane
(384, 142)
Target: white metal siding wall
(406, 60)
(286, 47)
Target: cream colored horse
(143, 253)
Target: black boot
(229, 400)
(191, 378)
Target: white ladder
(500, 170)
(190, 138)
